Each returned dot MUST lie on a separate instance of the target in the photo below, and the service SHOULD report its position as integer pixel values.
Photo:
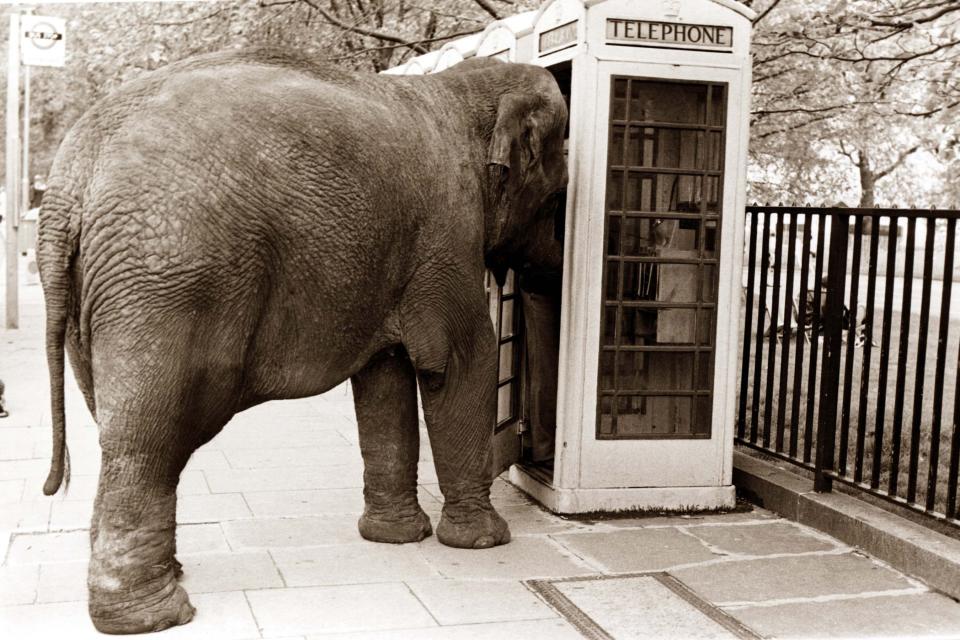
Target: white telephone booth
(646, 372)
(421, 65)
(501, 38)
(456, 51)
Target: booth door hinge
(521, 426)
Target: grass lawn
(876, 393)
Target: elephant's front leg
(459, 407)
(385, 396)
(132, 576)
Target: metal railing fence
(847, 337)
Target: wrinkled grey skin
(244, 227)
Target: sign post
(12, 171)
(34, 41)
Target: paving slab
(11, 490)
(523, 557)
(311, 502)
(766, 538)
(532, 520)
(208, 572)
(640, 607)
(286, 457)
(60, 546)
(455, 602)
(268, 432)
(306, 610)
(361, 562)
(16, 443)
(291, 532)
(225, 616)
(212, 508)
(30, 515)
(70, 514)
(913, 617)
(62, 582)
(555, 629)
(83, 486)
(203, 459)
(32, 470)
(791, 577)
(634, 550)
(18, 584)
(755, 514)
(294, 479)
(200, 538)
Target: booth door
(505, 315)
(658, 324)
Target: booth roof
(733, 5)
(522, 23)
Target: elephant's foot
(139, 611)
(472, 527)
(394, 528)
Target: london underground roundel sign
(42, 41)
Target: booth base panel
(673, 499)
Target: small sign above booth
(559, 26)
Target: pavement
(268, 538)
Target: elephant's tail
(56, 250)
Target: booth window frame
(702, 216)
(506, 336)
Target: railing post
(833, 347)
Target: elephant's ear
(512, 149)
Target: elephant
(248, 226)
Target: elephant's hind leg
(385, 396)
(152, 413)
(132, 575)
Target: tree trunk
(868, 183)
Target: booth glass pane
(619, 106)
(506, 361)
(665, 163)
(613, 235)
(615, 190)
(718, 104)
(508, 283)
(667, 102)
(653, 416)
(504, 404)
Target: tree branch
(764, 13)
(379, 35)
(449, 36)
(489, 8)
(896, 163)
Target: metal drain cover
(647, 605)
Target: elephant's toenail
(483, 542)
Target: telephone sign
(654, 33)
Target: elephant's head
(526, 173)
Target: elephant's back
(216, 188)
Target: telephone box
(645, 372)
